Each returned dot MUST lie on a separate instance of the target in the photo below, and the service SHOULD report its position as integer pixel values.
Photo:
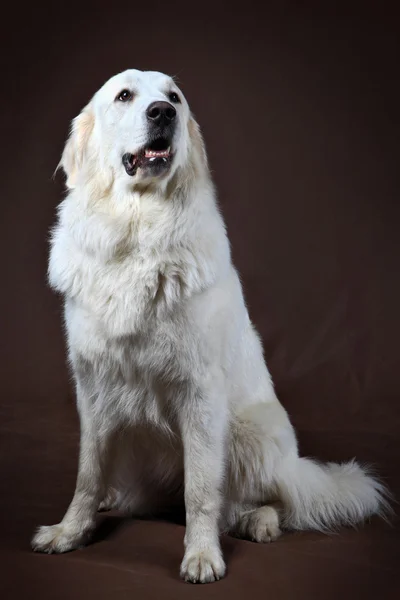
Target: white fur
(173, 392)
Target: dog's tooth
(151, 154)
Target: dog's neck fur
(150, 212)
(148, 240)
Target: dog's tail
(323, 497)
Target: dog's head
(137, 128)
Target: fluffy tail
(323, 497)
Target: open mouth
(156, 157)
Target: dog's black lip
(127, 161)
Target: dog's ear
(75, 148)
(197, 140)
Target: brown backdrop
(299, 111)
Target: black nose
(161, 113)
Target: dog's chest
(121, 295)
(126, 316)
(138, 378)
(126, 324)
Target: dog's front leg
(94, 462)
(203, 432)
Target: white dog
(173, 393)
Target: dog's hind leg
(109, 501)
(260, 437)
(259, 524)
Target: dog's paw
(105, 506)
(203, 566)
(260, 525)
(56, 539)
(109, 502)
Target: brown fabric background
(300, 114)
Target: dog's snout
(161, 113)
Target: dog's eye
(124, 96)
(173, 97)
